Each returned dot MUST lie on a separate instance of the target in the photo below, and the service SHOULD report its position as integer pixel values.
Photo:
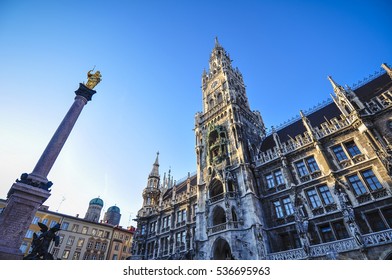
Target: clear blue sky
(151, 55)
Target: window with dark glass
(288, 241)
(326, 233)
(339, 153)
(285, 241)
(270, 181)
(312, 164)
(181, 215)
(306, 166)
(375, 221)
(274, 179)
(152, 227)
(52, 223)
(313, 198)
(278, 209)
(35, 220)
(326, 195)
(184, 214)
(340, 230)
(357, 184)
(388, 216)
(352, 148)
(288, 206)
(371, 180)
(283, 207)
(143, 230)
(279, 177)
(301, 168)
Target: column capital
(85, 92)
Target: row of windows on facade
(96, 245)
(180, 242)
(320, 196)
(373, 221)
(65, 226)
(181, 218)
(99, 246)
(76, 255)
(307, 166)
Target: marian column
(29, 192)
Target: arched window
(218, 216)
(234, 216)
(230, 186)
(216, 188)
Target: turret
(152, 191)
(341, 98)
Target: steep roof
(329, 111)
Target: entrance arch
(221, 250)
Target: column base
(7, 253)
(22, 204)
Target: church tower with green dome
(112, 216)
(94, 210)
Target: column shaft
(49, 156)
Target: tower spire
(342, 98)
(217, 42)
(336, 87)
(155, 168)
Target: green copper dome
(96, 201)
(114, 209)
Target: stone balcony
(339, 246)
(222, 227)
(222, 196)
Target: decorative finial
(216, 41)
(93, 79)
(387, 69)
(336, 87)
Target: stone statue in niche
(301, 223)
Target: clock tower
(228, 132)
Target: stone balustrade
(302, 140)
(339, 246)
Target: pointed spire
(336, 87)
(308, 126)
(387, 69)
(217, 42)
(155, 168)
(276, 138)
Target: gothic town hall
(317, 188)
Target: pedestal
(23, 202)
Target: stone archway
(221, 250)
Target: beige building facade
(80, 238)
